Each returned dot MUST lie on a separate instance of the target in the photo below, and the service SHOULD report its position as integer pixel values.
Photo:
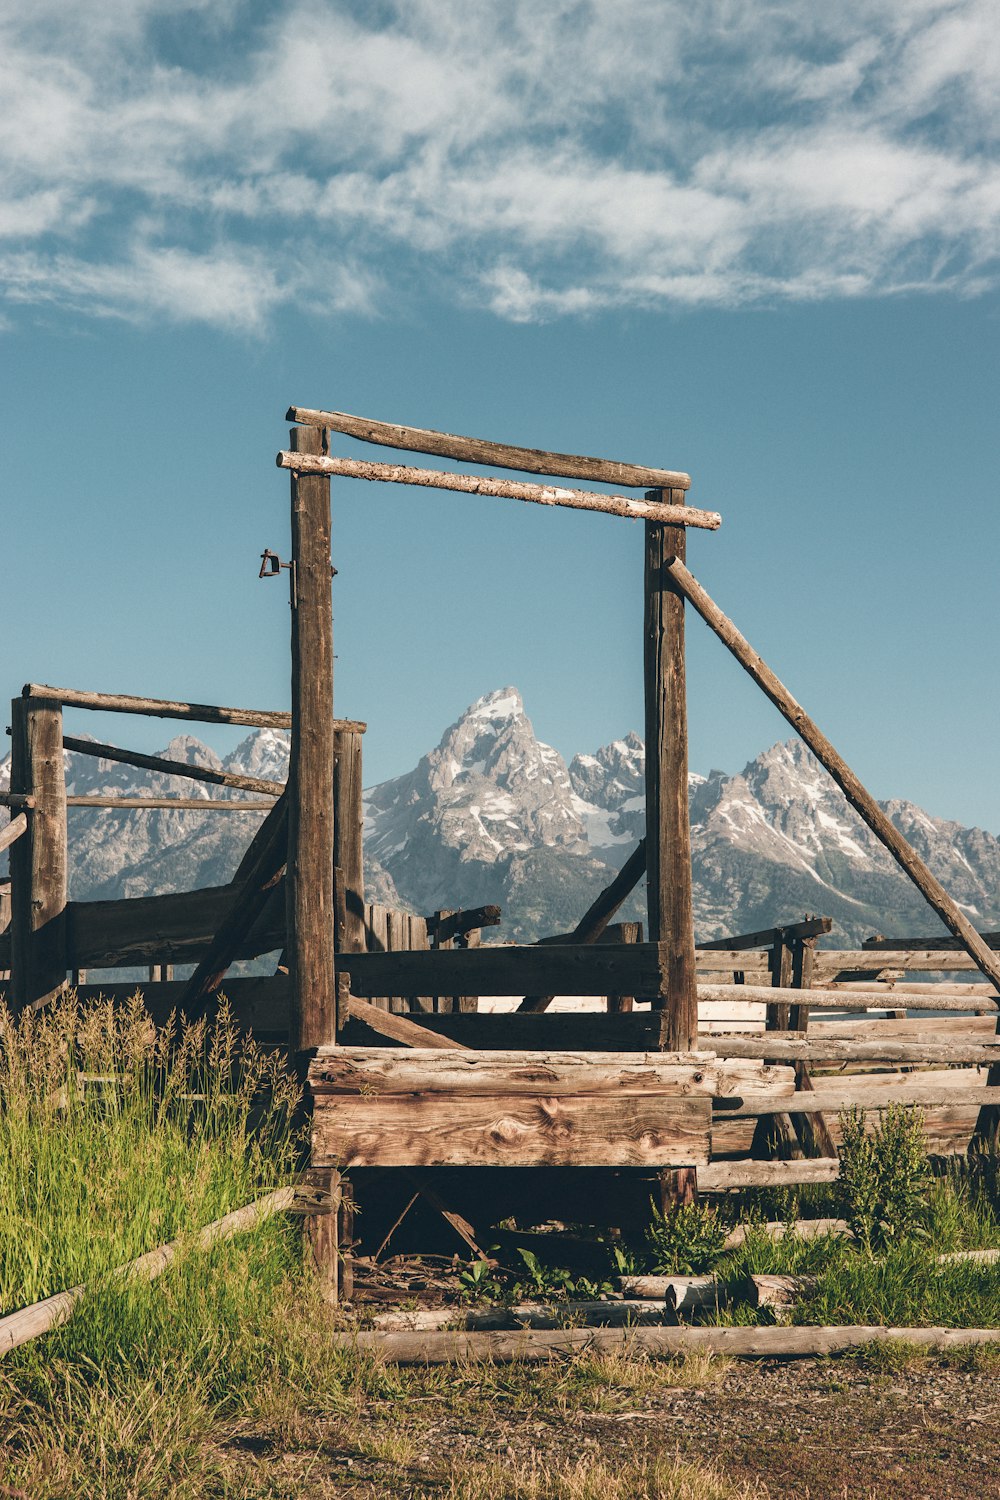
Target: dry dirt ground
(806, 1430)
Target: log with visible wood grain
(668, 1343)
(627, 506)
(376, 1071)
(480, 451)
(39, 860)
(872, 1096)
(309, 883)
(785, 1048)
(668, 826)
(859, 999)
(857, 795)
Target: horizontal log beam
(848, 1000)
(808, 927)
(724, 1176)
(177, 804)
(632, 969)
(541, 1345)
(781, 1049)
(377, 1072)
(832, 963)
(872, 1099)
(167, 767)
(903, 945)
(494, 455)
(629, 507)
(167, 708)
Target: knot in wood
(507, 1131)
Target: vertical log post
(309, 871)
(668, 830)
(811, 1129)
(348, 828)
(38, 861)
(775, 1134)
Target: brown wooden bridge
(698, 1069)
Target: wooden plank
(810, 1127)
(14, 830)
(637, 1130)
(633, 969)
(668, 830)
(38, 861)
(597, 917)
(832, 1101)
(172, 767)
(818, 1050)
(920, 1028)
(480, 451)
(376, 1072)
(167, 708)
(626, 506)
(808, 927)
(309, 882)
(257, 876)
(903, 945)
(724, 1176)
(858, 999)
(850, 963)
(174, 928)
(857, 795)
(348, 831)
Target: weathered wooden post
(309, 871)
(38, 861)
(668, 829)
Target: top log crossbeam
(629, 507)
(809, 927)
(492, 455)
(165, 708)
(924, 944)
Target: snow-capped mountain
(493, 814)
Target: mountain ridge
(492, 813)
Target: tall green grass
(115, 1137)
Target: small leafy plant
(884, 1176)
(686, 1240)
(479, 1283)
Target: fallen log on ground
(29, 1322)
(534, 1345)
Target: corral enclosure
(692, 1070)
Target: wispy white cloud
(202, 161)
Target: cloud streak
(197, 162)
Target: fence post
(668, 828)
(309, 870)
(38, 860)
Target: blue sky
(756, 242)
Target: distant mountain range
(493, 814)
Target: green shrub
(884, 1175)
(686, 1240)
